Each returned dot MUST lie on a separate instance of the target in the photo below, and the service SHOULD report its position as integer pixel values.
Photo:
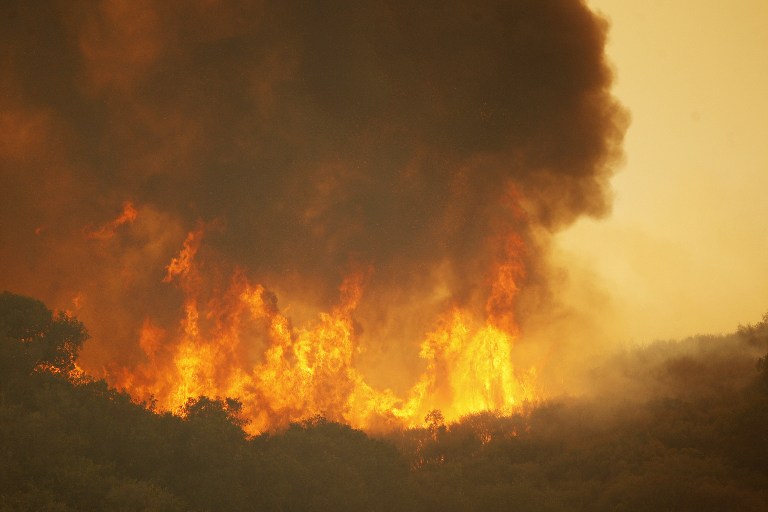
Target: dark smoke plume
(314, 138)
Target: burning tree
(34, 338)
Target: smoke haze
(430, 148)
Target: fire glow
(310, 371)
(375, 188)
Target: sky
(685, 247)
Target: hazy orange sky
(685, 250)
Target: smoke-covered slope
(694, 439)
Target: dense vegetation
(689, 431)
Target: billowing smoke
(419, 144)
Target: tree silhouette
(32, 338)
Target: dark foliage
(67, 446)
(31, 336)
(83, 446)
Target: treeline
(699, 441)
(68, 446)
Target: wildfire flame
(417, 159)
(240, 344)
(107, 230)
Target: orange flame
(239, 344)
(108, 230)
(182, 265)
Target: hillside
(675, 426)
